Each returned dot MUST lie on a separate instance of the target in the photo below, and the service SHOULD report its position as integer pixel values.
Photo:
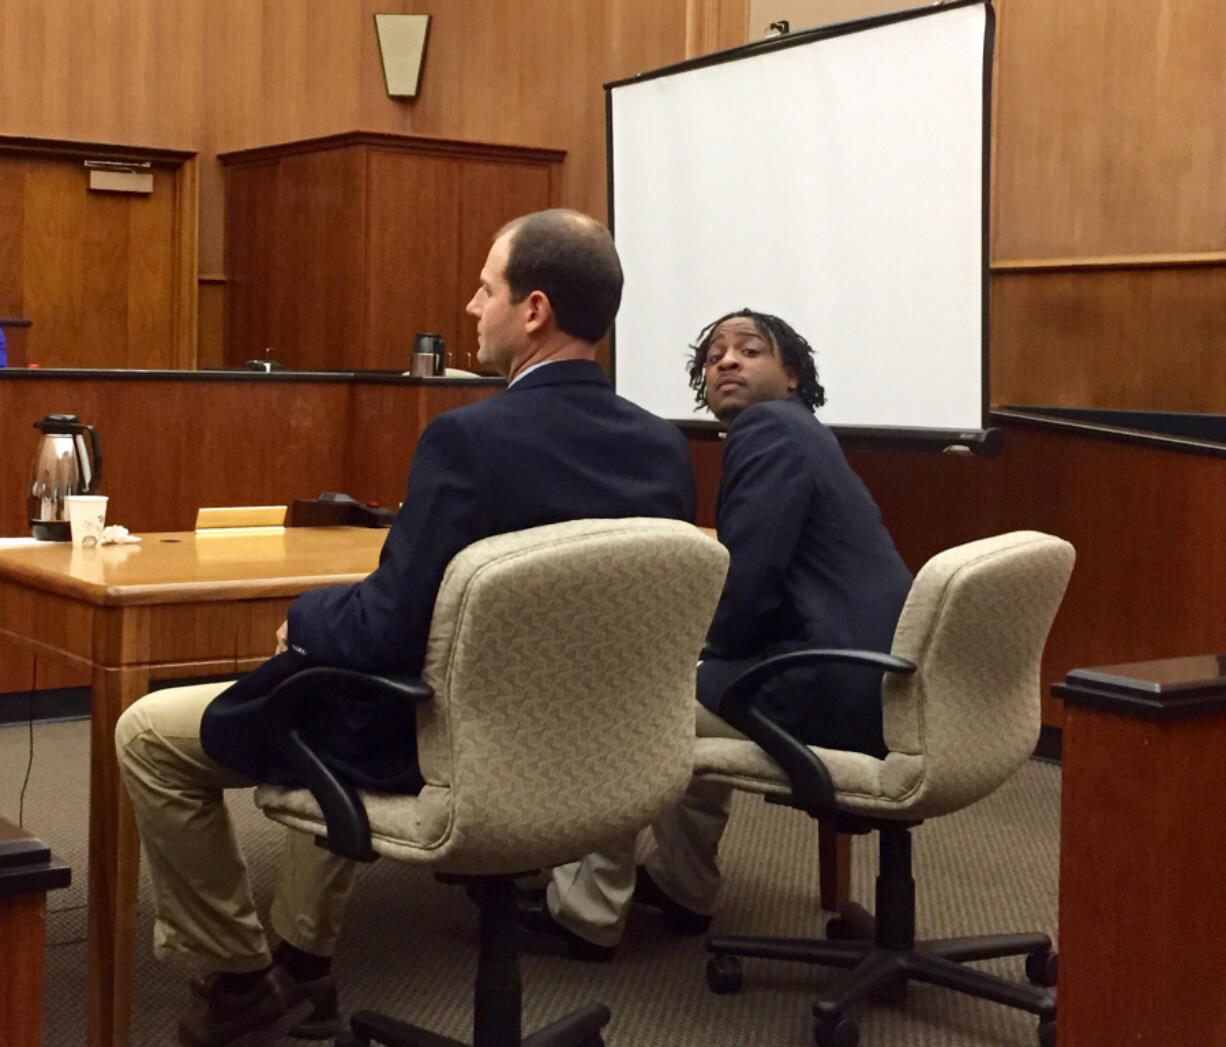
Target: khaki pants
(204, 914)
(680, 851)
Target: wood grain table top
(177, 567)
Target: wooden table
(177, 606)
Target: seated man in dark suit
(811, 566)
(557, 445)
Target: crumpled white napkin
(117, 534)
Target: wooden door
(106, 280)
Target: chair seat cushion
(863, 784)
(408, 828)
(423, 830)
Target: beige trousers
(680, 851)
(205, 916)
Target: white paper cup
(86, 518)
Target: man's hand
(282, 637)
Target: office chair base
(881, 956)
(496, 1003)
(580, 1029)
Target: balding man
(557, 445)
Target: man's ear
(538, 311)
(793, 381)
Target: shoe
(252, 1019)
(322, 1022)
(540, 932)
(677, 916)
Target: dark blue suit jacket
(812, 565)
(558, 445)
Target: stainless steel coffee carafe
(429, 357)
(63, 465)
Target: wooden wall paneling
(314, 69)
(495, 87)
(1145, 338)
(1109, 129)
(712, 25)
(210, 321)
(186, 266)
(101, 70)
(1149, 560)
(491, 194)
(387, 422)
(250, 221)
(804, 14)
(12, 221)
(414, 233)
(319, 268)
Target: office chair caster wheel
(836, 1032)
(724, 974)
(347, 1040)
(595, 1040)
(1041, 968)
(1047, 1034)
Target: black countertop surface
(235, 375)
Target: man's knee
(132, 722)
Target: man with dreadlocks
(812, 565)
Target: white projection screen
(837, 178)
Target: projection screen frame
(984, 440)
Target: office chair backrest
(563, 662)
(975, 623)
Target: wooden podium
(1143, 855)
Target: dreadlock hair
(794, 351)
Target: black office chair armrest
(812, 787)
(285, 710)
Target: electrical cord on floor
(21, 800)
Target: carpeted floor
(409, 945)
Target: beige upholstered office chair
(557, 713)
(961, 707)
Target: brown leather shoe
(322, 1022)
(251, 1019)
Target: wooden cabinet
(340, 249)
